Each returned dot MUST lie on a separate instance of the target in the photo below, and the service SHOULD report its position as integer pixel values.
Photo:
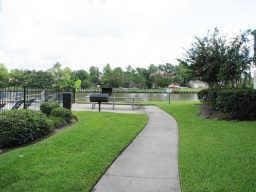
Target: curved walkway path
(150, 162)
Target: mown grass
(214, 155)
(73, 159)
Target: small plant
(47, 107)
(63, 113)
(238, 103)
(19, 127)
(58, 122)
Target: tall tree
(18, 78)
(218, 61)
(39, 79)
(62, 77)
(83, 76)
(94, 75)
(183, 73)
(237, 63)
(107, 76)
(4, 76)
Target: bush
(208, 96)
(58, 122)
(238, 103)
(63, 113)
(18, 127)
(47, 107)
(203, 95)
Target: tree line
(214, 58)
(154, 76)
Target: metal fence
(26, 98)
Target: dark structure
(101, 97)
(106, 90)
(67, 100)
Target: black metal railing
(26, 98)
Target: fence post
(24, 97)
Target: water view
(145, 96)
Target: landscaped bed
(214, 155)
(73, 159)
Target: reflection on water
(150, 96)
(159, 96)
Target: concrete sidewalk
(150, 163)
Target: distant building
(197, 84)
(174, 86)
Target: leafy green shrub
(47, 107)
(203, 95)
(58, 122)
(238, 103)
(208, 96)
(22, 126)
(63, 113)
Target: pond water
(150, 96)
(159, 96)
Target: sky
(35, 34)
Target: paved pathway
(149, 164)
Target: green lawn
(214, 155)
(73, 159)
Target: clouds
(80, 33)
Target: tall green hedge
(47, 107)
(19, 127)
(238, 103)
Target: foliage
(47, 107)
(214, 58)
(208, 96)
(112, 78)
(83, 76)
(22, 126)
(72, 159)
(183, 73)
(62, 77)
(77, 84)
(219, 61)
(58, 122)
(214, 155)
(63, 114)
(3, 76)
(239, 103)
(94, 75)
(32, 79)
(57, 77)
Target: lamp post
(169, 91)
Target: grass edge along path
(73, 159)
(214, 155)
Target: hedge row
(19, 127)
(238, 103)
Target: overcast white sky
(35, 34)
